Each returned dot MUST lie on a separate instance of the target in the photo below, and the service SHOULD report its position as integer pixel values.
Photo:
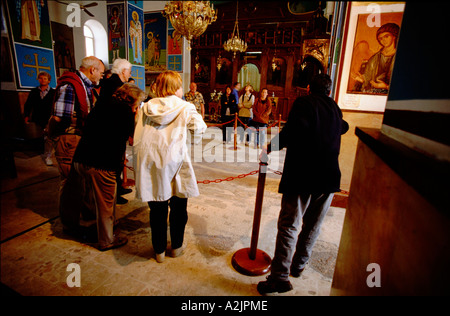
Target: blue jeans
(293, 248)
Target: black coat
(105, 134)
(108, 87)
(228, 102)
(312, 137)
(39, 110)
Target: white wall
(58, 13)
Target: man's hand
(52, 126)
(264, 156)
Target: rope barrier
(241, 176)
(245, 125)
(244, 175)
(220, 124)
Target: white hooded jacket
(163, 168)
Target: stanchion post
(258, 209)
(279, 123)
(235, 130)
(252, 261)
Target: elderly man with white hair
(121, 72)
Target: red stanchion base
(243, 264)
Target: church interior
(387, 230)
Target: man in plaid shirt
(73, 101)
(196, 98)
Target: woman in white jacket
(164, 173)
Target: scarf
(80, 91)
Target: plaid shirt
(196, 100)
(65, 98)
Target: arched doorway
(249, 74)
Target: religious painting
(317, 48)
(373, 55)
(276, 72)
(135, 35)
(369, 44)
(155, 34)
(32, 41)
(30, 23)
(30, 62)
(175, 63)
(63, 47)
(202, 72)
(224, 75)
(174, 51)
(116, 31)
(138, 74)
(137, 3)
(175, 43)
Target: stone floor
(35, 253)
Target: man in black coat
(311, 176)
(121, 73)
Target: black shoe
(296, 273)
(123, 191)
(121, 200)
(272, 286)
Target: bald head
(93, 68)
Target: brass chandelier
(190, 18)
(235, 43)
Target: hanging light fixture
(235, 43)
(190, 18)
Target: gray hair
(120, 65)
(89, 62)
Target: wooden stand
(252, 261)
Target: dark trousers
(177, 220)
(227, 129)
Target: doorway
(249, 74)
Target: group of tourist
(90, 130)
(253, 113)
